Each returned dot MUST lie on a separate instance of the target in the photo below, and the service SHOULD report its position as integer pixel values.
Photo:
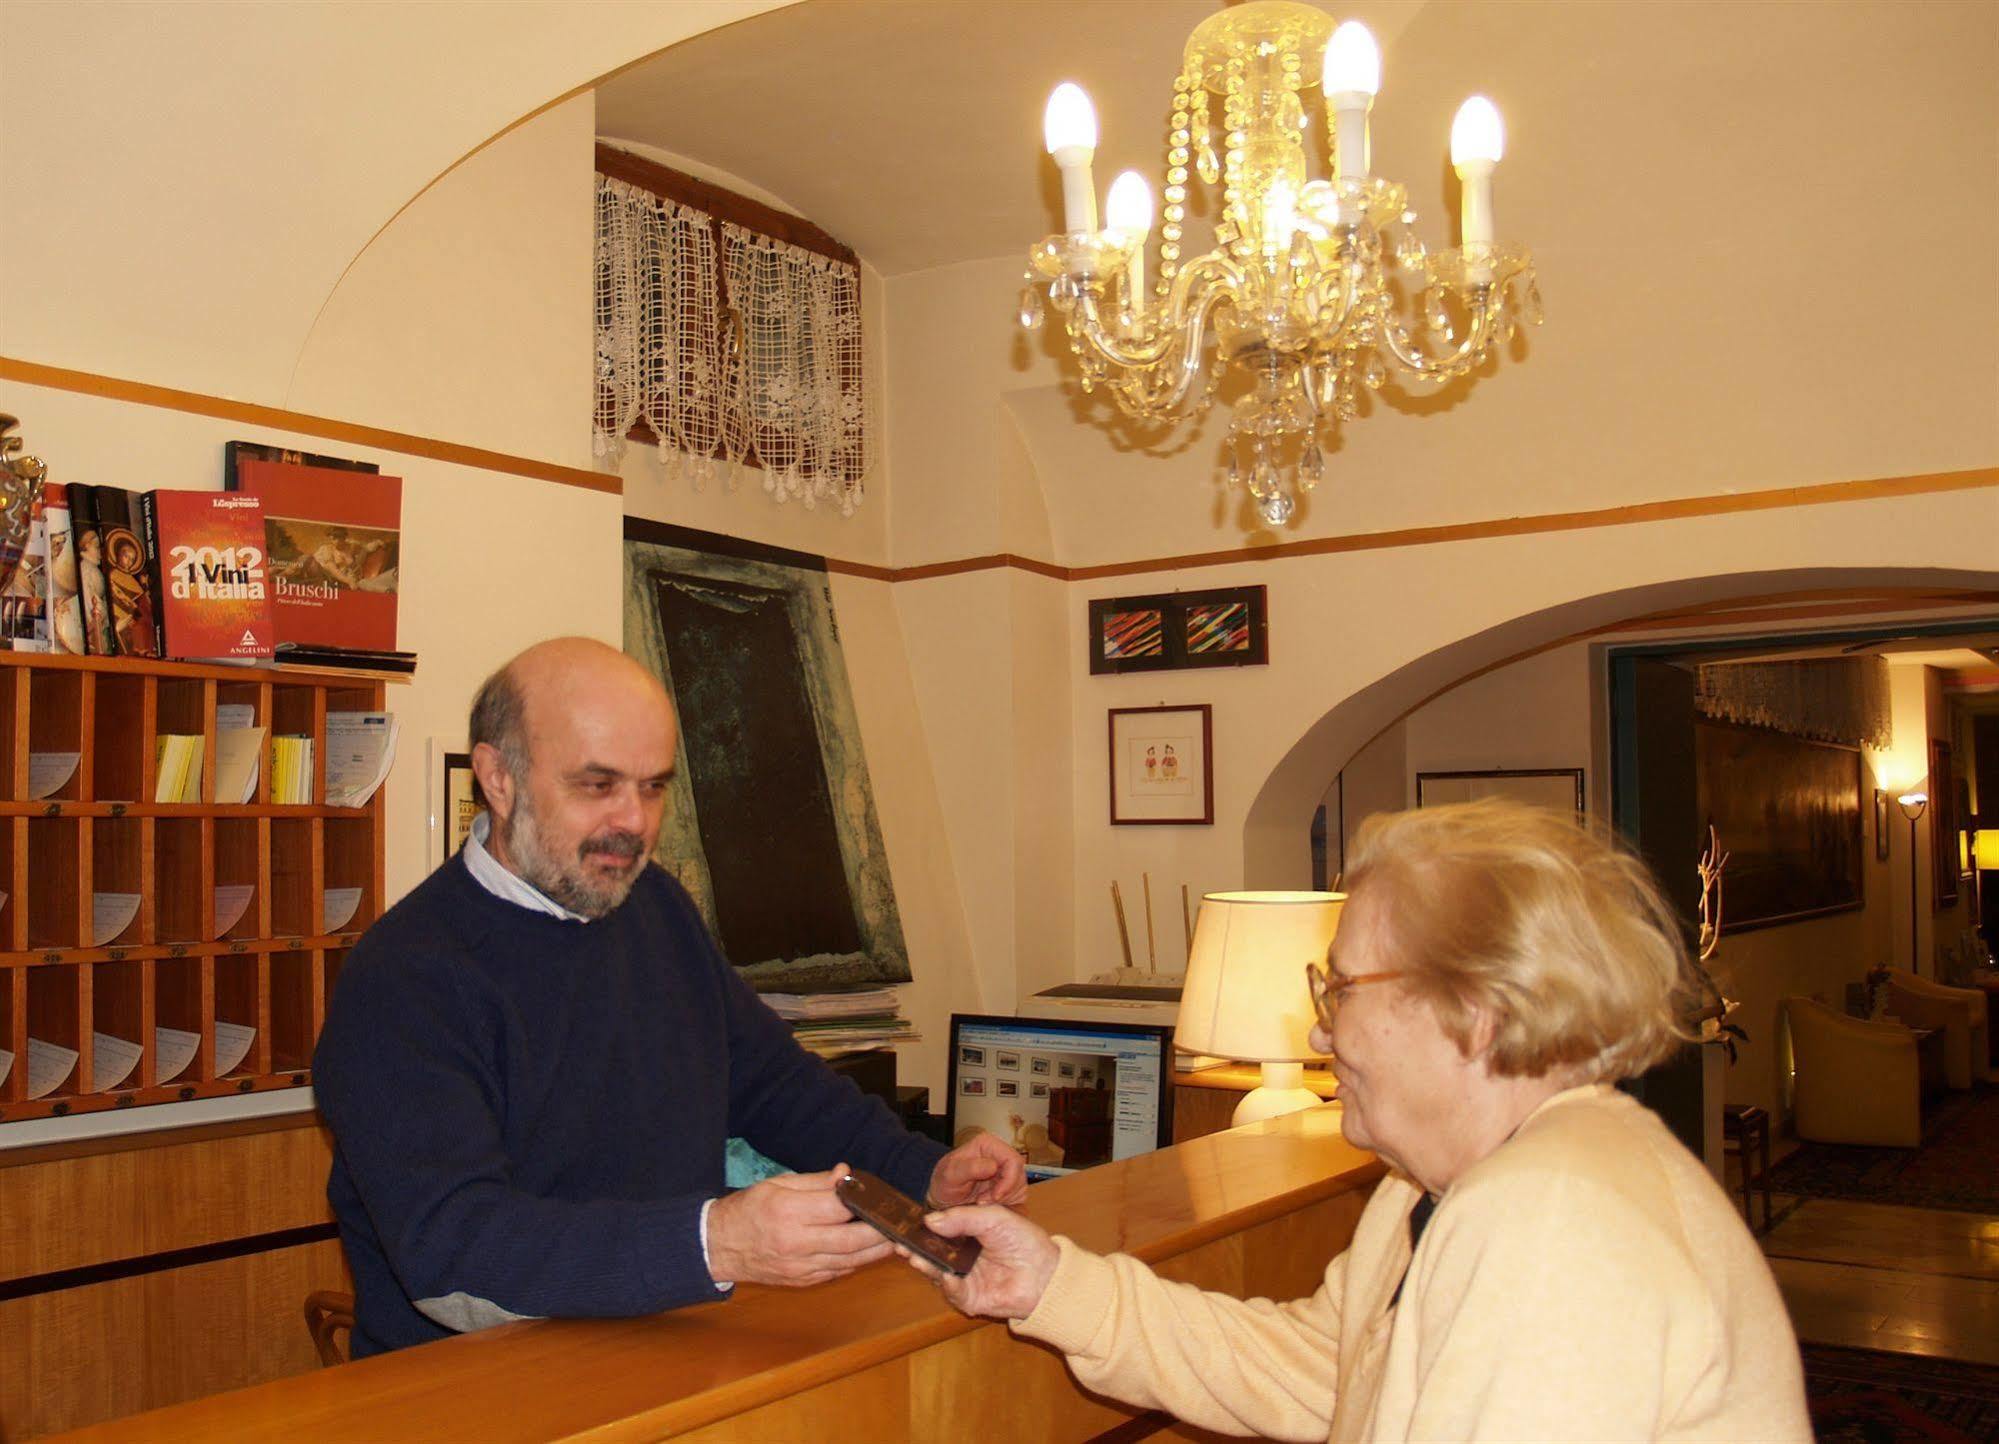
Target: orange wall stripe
(145, 394)
(1774, 499)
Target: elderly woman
(1544, 1260)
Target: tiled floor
(1867, 1275)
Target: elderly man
(532, 1062)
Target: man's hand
(982, 1170)
(790, 1230)
(1016, 1261)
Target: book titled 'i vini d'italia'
(205, 553)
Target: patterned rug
(1864, 1396)
(1953, 1169)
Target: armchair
(1959, 1012)
(1857, 1082)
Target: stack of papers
(48, 771)
(110, 914)
(111, 1061)
(291, 770)
(239, 746)
(232, 900)
(177, 768)
(360, 750)
(829, 1023)
(337, 907)
(49, 1064)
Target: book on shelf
(24, 600)
(334, 542)
(205, 560)
(177, 768)
(361, 659)
(235, 453)
(291, 770)
(132, 626)
(98, 637)
(60, 582)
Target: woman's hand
(1016, 1261)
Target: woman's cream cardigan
(1587, 1280)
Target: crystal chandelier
(1308, 280)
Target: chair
(1958, 1012)
(1857, 1082)
(327, 1314)
(1036, 1147)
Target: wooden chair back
(329, 1317)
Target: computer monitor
(1067, 1094)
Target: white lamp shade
(1245, 996)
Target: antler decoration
(1710, 868)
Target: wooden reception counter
(876, 1357)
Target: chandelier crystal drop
(1313, 289)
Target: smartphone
(899, 1218)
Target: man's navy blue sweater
(528, 1113)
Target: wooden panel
(105, 1350)
(1197, 1112)
(712, 1368)
(65, 1209)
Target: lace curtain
(732, 347)
(1841, 699)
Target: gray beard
(540, 868)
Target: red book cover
(208, 548)
(335, 550)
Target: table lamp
(1245, 996)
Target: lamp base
(1283, 1091)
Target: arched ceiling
(911, 129)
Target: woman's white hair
(1548, 931)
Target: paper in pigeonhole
(48, 1065)
(232, 1045)
(360, 750)
(238, 753)
(337, 907)
(175, 1049)
(110, 914)
(111, 1061)
(232, 900)
(48, 771)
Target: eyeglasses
(1329, 989)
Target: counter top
(671, 1373)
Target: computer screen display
(1067, 1095)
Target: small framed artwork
(1173, 631)
(972, 1087)
(1008, 1062)
(1037, 1090)
(1038, 1067)
(1066, 1070)
(1560, 788)
(455, 801)
(1009, 1088)
(972, 1057)
(1159, 763)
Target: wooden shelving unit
(273, 971)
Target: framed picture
(1009, 1088)
(1008, 1062)
(1159, 764)
(1066, 1070)
(1560, 788)
(1038, 1067)
(1790, 814)
(1173, 631)
(971, 1087)
(1943, 823)
(1037, 1090)
(972, 1057)
(455, 799)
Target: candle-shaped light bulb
(1128, 208)
(1477, 142)
(1352, 78)
(1353, 61)
(1069, 126)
